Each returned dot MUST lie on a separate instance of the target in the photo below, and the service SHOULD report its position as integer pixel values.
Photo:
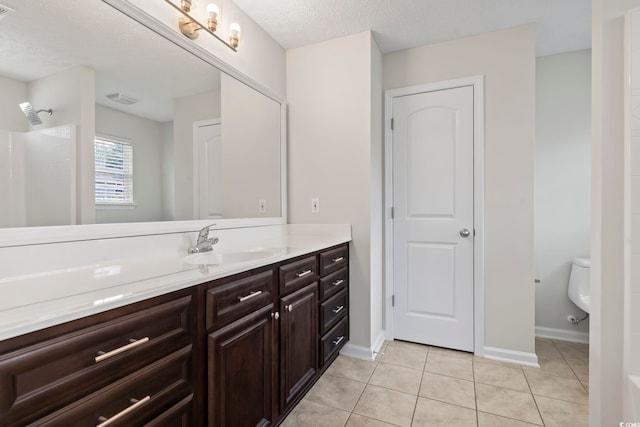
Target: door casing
(478, 192)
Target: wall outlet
(262, 206)
(315, 205)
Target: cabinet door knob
(289, 307)
(275, 315)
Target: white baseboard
(511, 356)
(361, 352)
(562, 334)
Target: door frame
(195, 166)
(477, 82)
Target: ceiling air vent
(5, 11)
(121, 98)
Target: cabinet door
(298, 342)
(240, 359)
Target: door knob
(465, 232)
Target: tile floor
(417, 385)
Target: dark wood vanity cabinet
(130, 364)
(238, 351)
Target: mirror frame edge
(22, 236)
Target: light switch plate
(262, 206)
(315, 205)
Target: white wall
(507, 60)
(331, 156)
(13, 93)
(562, 186)
(168, 173)
(71, 96)
(250, 151)
(12, 181)
(607, 206)
(631, 361)
(187, 110)
(146, 138)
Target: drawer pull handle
(340, 258)
(251, 295)
(304, 273)
(338, 282)
(338, 341)
(136, 403)
(132, 344)
(338, 309)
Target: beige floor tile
(580, 368)
(448, 389)
(408, 345)
(451, 353)
(573, 351)
(543, 339)
(551, 366)
(586, 385)
(507, 403)
(431, 413)
(490, 420)
(558, 388)
(558, 413)
(408, 358)
(396, 378)
(336, 392)
(450, 366)
(486, 361)
(356, 420)
(500, 376)
(354, 369)
(312, 414)
(386, 405)
(547, 349)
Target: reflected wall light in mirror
(190, 26)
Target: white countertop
(33, 301)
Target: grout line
(475, 393)
(535, 402)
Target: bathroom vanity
(240, 349)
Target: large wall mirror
(139, 129)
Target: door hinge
(393, 300)
(391, 213)
(392, 123)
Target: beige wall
(507, 61)
(251, 154)
(607, 207)
(186, 110)
(562, 185)
(331, 156)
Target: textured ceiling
(562, 25)
(44, 37)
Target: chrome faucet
(204, 243)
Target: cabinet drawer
(332, 310)
(133, 400)
(179, 415)
(333, 259)
(298, 274)
(333, 283)
(43, 377)
(333, 341)
(231, 301)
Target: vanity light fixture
(190, 27)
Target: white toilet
(579, 283)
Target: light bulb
(213, 10)
(234, 29)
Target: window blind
(114, 171)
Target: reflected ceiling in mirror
(204, 145)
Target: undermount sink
(217, 258)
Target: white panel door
(433, 218)
(209, 182)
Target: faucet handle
(204, 233)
